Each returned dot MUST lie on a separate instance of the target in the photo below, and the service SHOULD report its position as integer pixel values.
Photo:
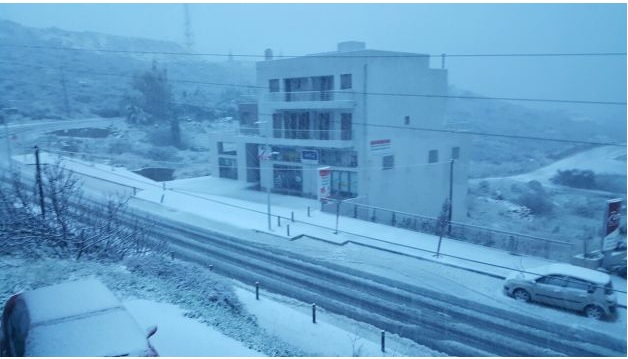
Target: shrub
(575, 178)
(535, 198)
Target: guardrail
(515, 243)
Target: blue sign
(309, 156)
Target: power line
(405, 128)
(588, 102)
(390, 54)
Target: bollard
(211, 267)
(308, 211)
(172, 255)
(292, 216)
(383, 341)
(355, 211)
(134, 191)
(257, 290)
(394, 220)
(162, 198)
(278, 221)
(288, 230)
(314, 313)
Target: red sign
(613, 216)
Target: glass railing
(297, 96)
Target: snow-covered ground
(225, 205)
(609, 160)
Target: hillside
(52, 82)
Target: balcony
(310, 99)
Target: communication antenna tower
(189, 42)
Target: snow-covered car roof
(81, 318)
(112, 332)
(573, 271)
(67, 300)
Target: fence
(515, 243)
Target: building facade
(375, 118)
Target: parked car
(565, 286)
(79, 318)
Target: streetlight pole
(451, 194)
(267, 154)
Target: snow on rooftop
(68, 299)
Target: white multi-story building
(376, 118)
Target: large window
(288, 179)
(277, 128)
(345, 126)
(304, 125)
(322, 126)
(344, 184)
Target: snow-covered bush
(575, 178)
(63, 224)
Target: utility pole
(6, 134)
(451, 194)
(39, 182)
(66, 102)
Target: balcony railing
(298, 96)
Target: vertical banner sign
(324, 183)
(611, 224)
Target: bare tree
(76, 228)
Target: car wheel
(594, 311)
(521, 295)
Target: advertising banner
(611, 224)
(324, 183)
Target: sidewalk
(229, 204)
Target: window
(455, 153)
(227, 148)
(579, 284)
(432, 156)
(288, 179)
(345, 81)
(273, 85)
(552, 280)
(228, 168)
(322, 129)
(345, 126)
(344, 184)
(277, 129)
(304, 125)
(388, 162)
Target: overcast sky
(297, 29)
